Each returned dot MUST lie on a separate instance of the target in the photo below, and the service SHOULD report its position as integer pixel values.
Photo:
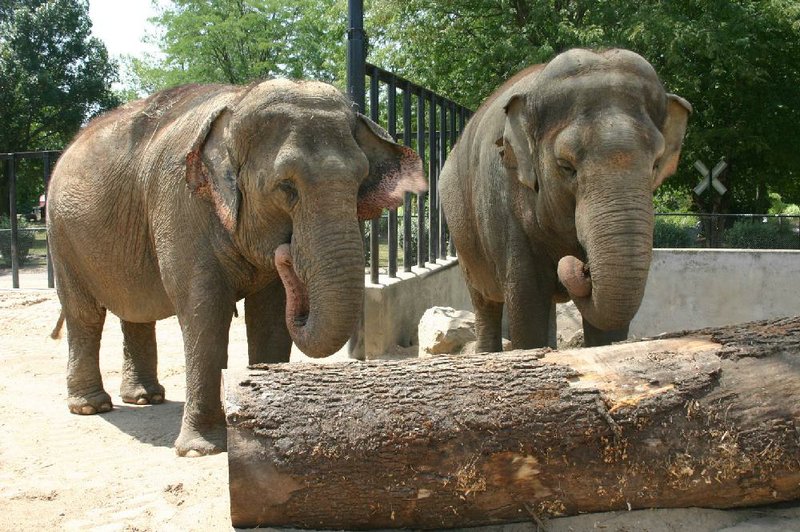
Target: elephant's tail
(56, 334)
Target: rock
(444, 330)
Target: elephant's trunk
(608, 288)
(324, 294)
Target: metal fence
(16, 242)
(429, 124)
(737, 231)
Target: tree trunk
(709, 418)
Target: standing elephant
(199, 196)
(549, 194)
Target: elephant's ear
(678, 111)
(210, 172)
(393, 170)
(516, 152)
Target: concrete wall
(687, 289)
(392, 309)
(693, 288)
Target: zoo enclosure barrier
(737, 231)
(429, 124)
(10, 241)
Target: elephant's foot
(90, 403)
(192, 442)
(142, 393)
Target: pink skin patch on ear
(396, 180)
(201, 186)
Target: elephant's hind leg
(84, 383)
(140, 364)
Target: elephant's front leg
(593, 337)
(205, 322)
(529, 302)
(268, 338)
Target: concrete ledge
(393, 307)
(686, 289)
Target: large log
(709, 419)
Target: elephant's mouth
(297, 303)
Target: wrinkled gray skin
(179, 204)
(548, 194)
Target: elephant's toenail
(105, 407)
(88, 410)
(157, 399)
(141, 401)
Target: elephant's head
(590, 137)
(291, 170)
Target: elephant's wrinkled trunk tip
(297, 305)
(574, 274)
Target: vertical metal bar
(433, 174)
(391, 101)
(12, 208)
(356, 53)
(442, 156)
(407, 200)
(356, 72)
(451, 249)
(375, 225)
(47, 171)
(421, 244)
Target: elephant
(201, 195)
(548, 195)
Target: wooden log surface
(709, 418)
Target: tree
(53, 77)
(239, 41)
(737, 61)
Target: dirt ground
(118, 471)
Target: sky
(121, 25)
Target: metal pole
(356, 54)
(356, 71)
(407, 199)
(375, 224)
(421, 244)
(12, 208)
(47, 171)
(392, 129)
(433, 174)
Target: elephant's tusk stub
(575, 276)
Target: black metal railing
(12, 234)
(429, 124)
(735, 231)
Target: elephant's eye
(567, 170)
(289, 190)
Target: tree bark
(709, 418)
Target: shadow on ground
(156, 425)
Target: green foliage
(25, 239)
(669, 232)
(736, 61)
(777, 206)
(239, 41)
(669, 198)
(53, 73)
(53, 76)
(755, 234)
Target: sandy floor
(118, 471)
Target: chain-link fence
(736, 231)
